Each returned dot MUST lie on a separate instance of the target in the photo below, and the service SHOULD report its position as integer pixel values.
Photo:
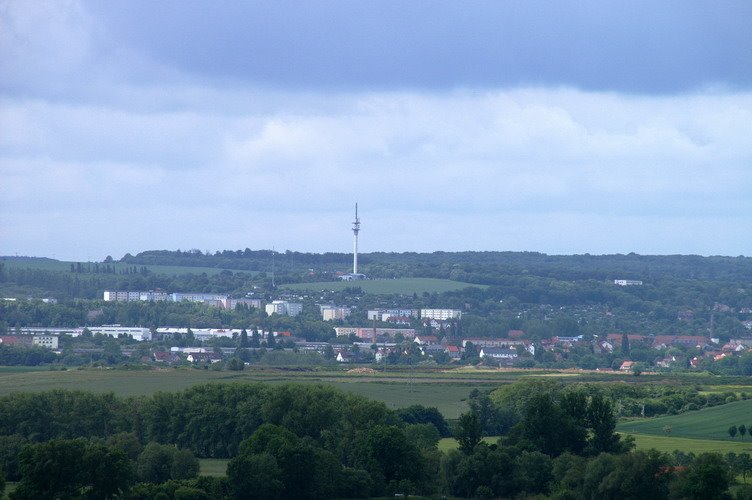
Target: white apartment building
(48, 341)
(199, 297)
(440, 314)
(212, 299)
(368, 333)
(329, 313)
(233, 303)
(294, 308)
(385, 314)
(284, 308)
(126, 296)
(627, 282)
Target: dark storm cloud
(635, 46)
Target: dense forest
(303, 441)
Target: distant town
(429, 333)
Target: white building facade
(284, 308)
(329, 313)
(440, 314)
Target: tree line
(303, 441)
(470, 265)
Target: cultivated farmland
(708, 423)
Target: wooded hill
(471, 267)
(541, 294)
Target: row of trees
(741, 430)
(491, 471)
(296, 441)
(82, 468)
(485, 265)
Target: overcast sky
(560, 127)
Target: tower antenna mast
(356, 229)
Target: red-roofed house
(204, 357)
(663, 341)
(615, 338)
(603, 347)
(26, 340)
(733, 346)
(453, 351)
(426, 340)
(166, 357)
(626, 366)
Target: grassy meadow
(396, 390)
(708, 423)
(447, 389)
(667, 444)
(213, 466)
(446, 444)
(404, 286)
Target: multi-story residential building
(627, 282)
(385, 314)
(284, 308)
(212, 299)
(276, 307)
(329, 313)
(294, 308)
(233, 303)
(48, 341)
(371, 333)
(440, 314)
(126, 296)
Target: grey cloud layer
(528, 154)
(637, 46)
(109, 146)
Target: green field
(668, 444)
(213, 466)
(9, 487)
(665, 444)
(444, 388)
(404, 286)
(396, 390)
(446, 444)
(64, 266)
(708, 423)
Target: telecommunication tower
(356, 229)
